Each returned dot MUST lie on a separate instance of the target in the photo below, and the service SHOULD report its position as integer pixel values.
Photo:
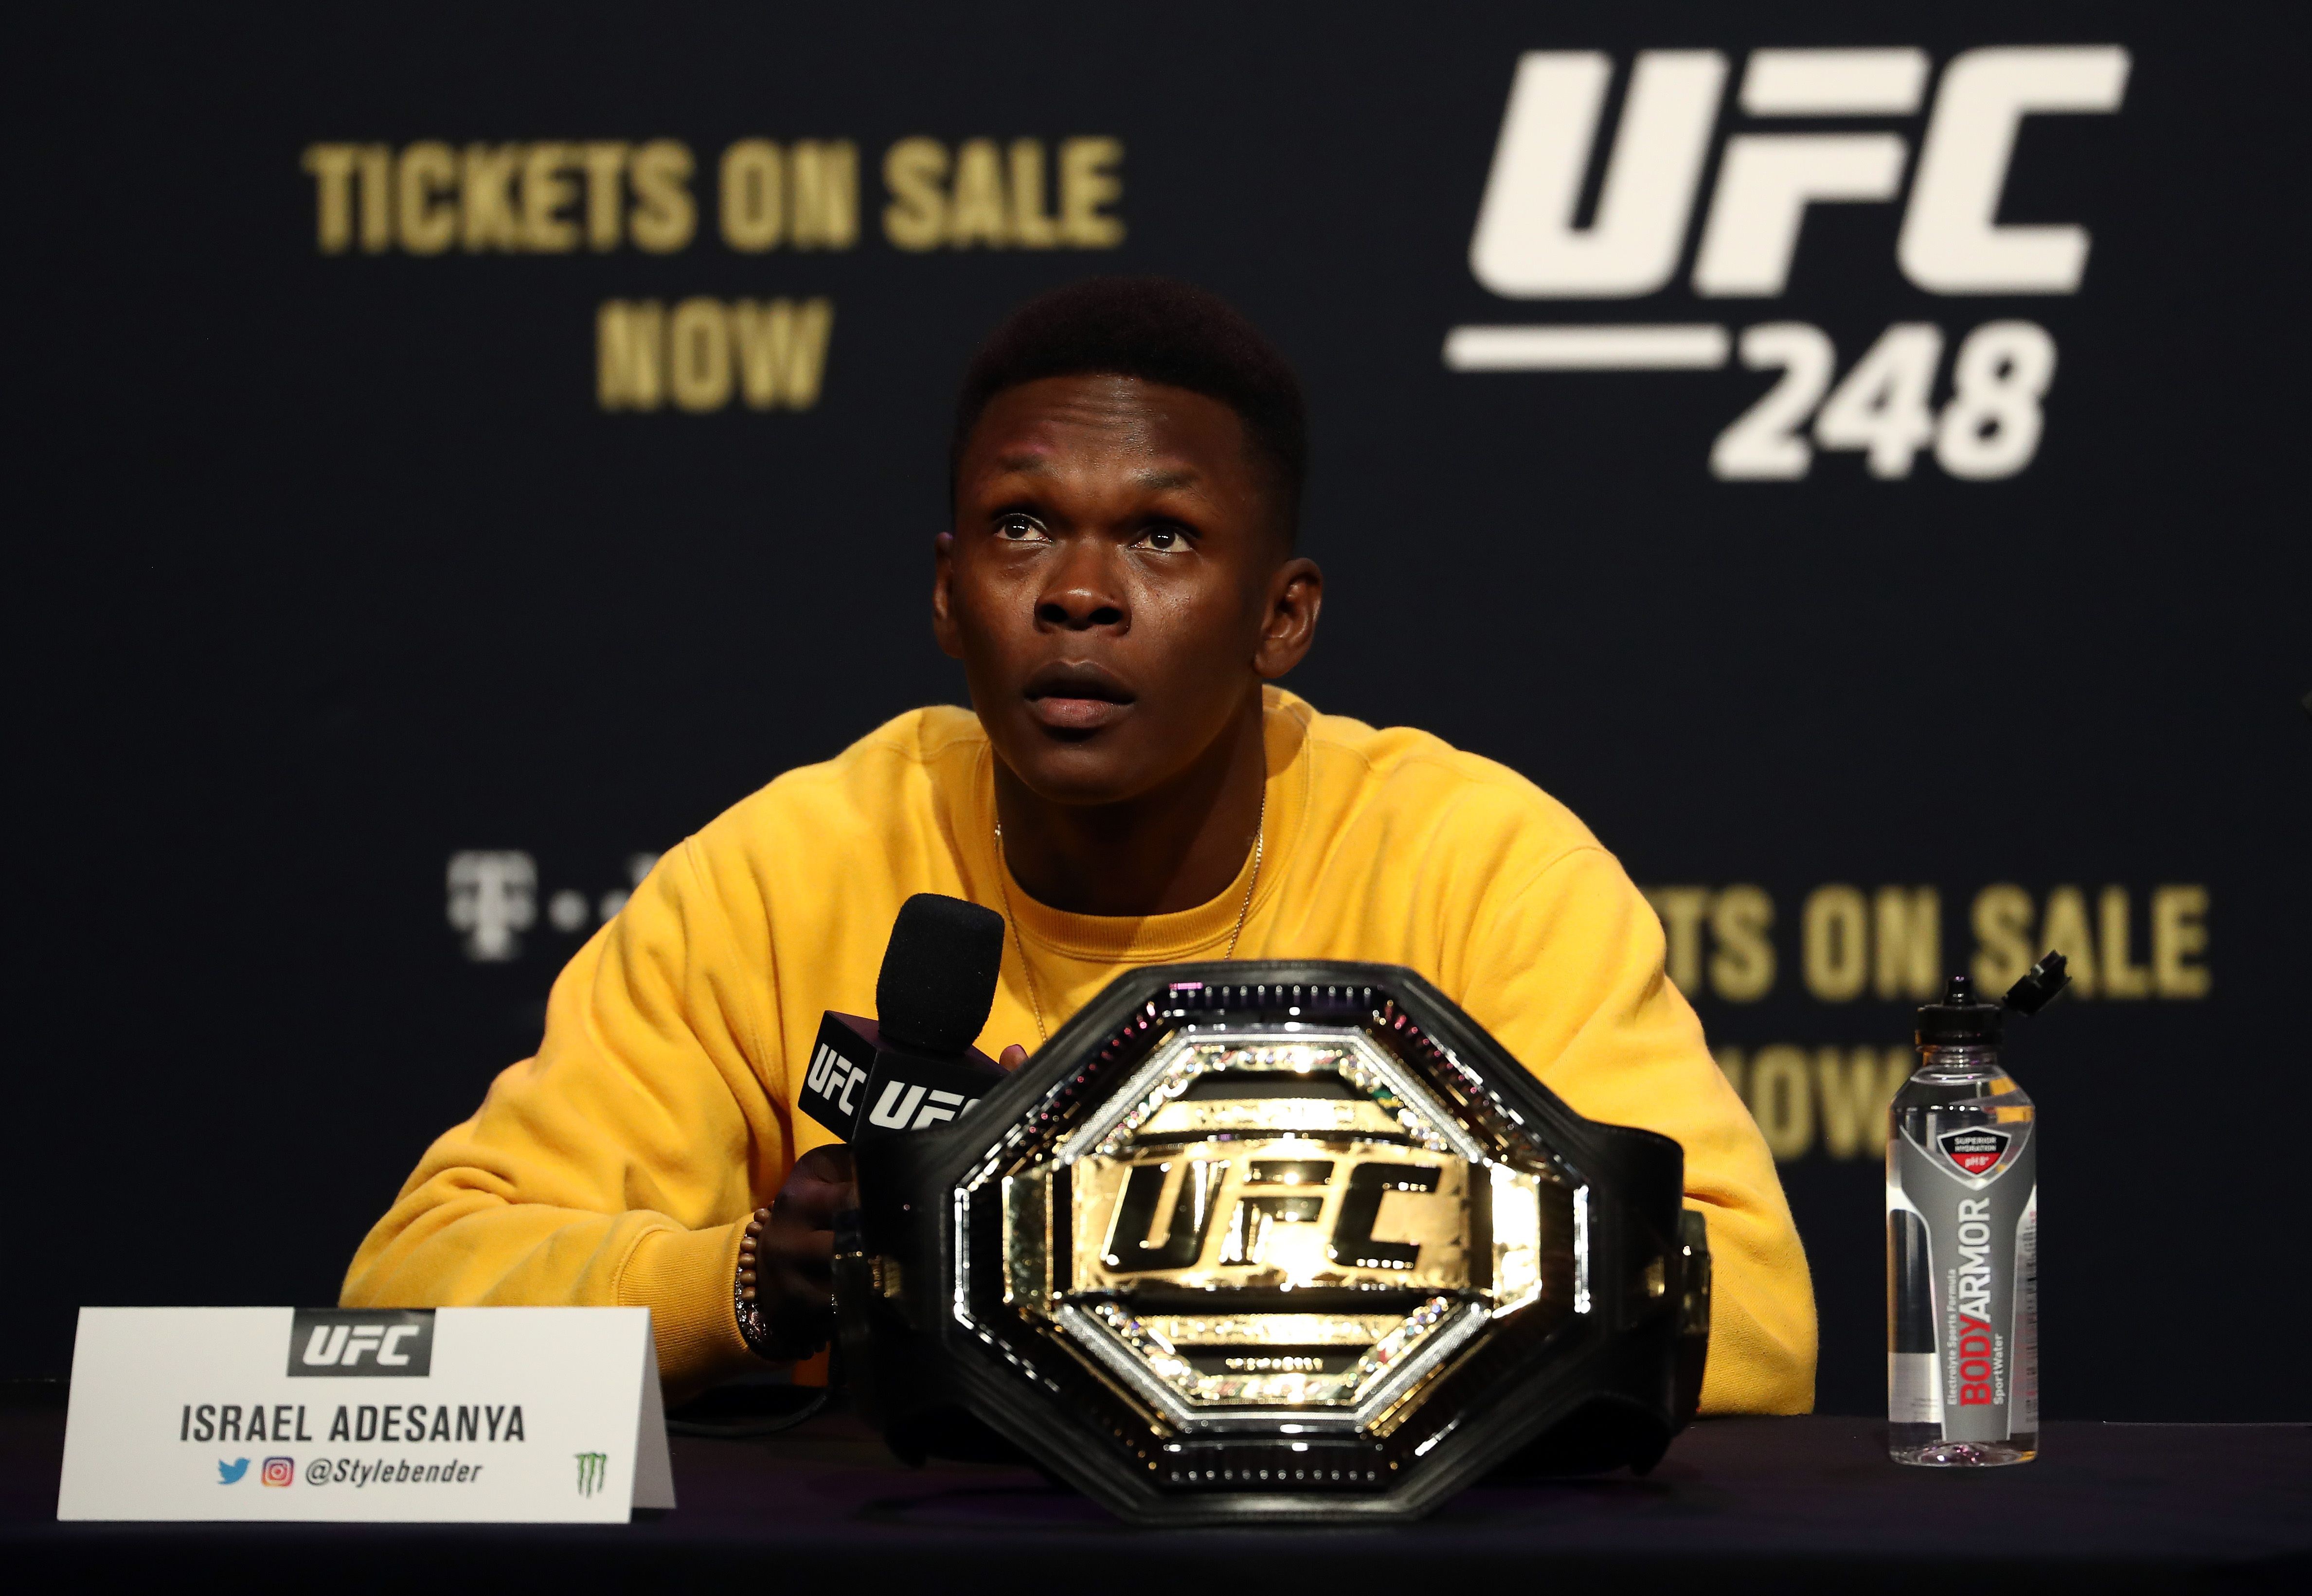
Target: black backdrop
(334, 568)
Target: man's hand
(795, 1260)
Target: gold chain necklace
(1035, 999)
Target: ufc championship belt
(1274, 1241)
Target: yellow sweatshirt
(617, 1165)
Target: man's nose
(1083, 594)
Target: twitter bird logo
(228, 1473)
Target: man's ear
(1296, 593)
(943, 629)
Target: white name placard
(480, 1415)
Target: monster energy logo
(590, 1465)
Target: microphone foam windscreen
(938, 981)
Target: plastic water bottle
(1963, 1240)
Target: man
(1120, 584)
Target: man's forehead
(1177, 436)
(1156, 476)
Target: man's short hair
(1159, 330)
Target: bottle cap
(1960, 1017)
(2035, 990)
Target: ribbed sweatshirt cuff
(684, 1277)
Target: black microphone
(912, 1066)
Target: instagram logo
(279, 1472)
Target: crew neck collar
(1162, 938)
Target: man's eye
(1021, 528)
(1163, 539)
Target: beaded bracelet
(753, 1328)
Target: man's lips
(1079, 698)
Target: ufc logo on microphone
(341, 1342)
(835, 1078)
(904, 1107)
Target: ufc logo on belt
(1240, 1213)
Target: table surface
(1739, 1503)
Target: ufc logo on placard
(341, 1342)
